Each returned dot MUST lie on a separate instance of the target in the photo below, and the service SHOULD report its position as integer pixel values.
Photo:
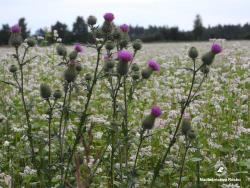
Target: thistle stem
(114, 117)
(29, 130)
(83, 117)
(51, 107)
(60, 129)
(138, 149)
(125, 119)
(182, 164)
(161, 161)
(66, 118)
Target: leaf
(117, 183)
(196, 159)
(242, 172)
(245, 163)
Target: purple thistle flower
(124, 28)
(109, 17)
(156, 111)
(216, 48)
(125, 56)
(154, 65)
(78, 48)
(15, 29)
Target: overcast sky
(179, 13)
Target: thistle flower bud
(135, 67)
(135, 75)
(137, 44)
(109, 45)
(31, 41)
(146, 73)
(193, 53)
(107, 27)
(191, 134)
(124, 43)
(99, 34)
(45, 91)
(91, 20)
(13, 68)
(73, 55)
(88, 77)
(122, 67)
(205, 69)
(208, 58)
(16, 39)
(185, 125)
(61, 50)
(116, 34)
(70, 74)
(108, 66)
(148, 122)
(57, 94)
(78, 67)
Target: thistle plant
(91, 124)
(147, 124)
(46, 94)
(18, 76)
(206, 60)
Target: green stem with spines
(84, 115)
(161, 161)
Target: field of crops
(107, 136)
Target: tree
(174, 33)
(198, 27)
(23, 25)
(4, 34)
(40, 32)
(80, 30)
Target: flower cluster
(78, 48)
(149, 121)
(156, 111)
(124, 28)
(109, 17)
(125, 56)
(216, 48)
(15, 29)
(154, 65)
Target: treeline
(158, 34)
(80, 32)
(199, 32)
